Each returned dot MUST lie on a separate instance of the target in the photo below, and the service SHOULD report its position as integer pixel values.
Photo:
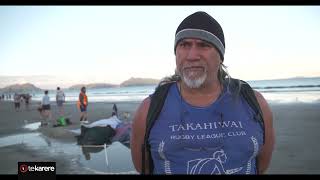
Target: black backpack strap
(248, 94)
(156, 104)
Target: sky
(110, 44)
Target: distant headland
(28, 87)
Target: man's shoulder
(60, 93)
(164, 86)
(160, 92)
(236, 83)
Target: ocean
(289, 90)
(276, 91)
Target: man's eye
(183, 44)
(205, 45)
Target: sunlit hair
(223, 74)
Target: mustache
(186, 67)
(192, 65)
(179, 70)
(189, 67)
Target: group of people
(45, 108)
(5, 97)
(19, 98)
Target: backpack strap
(248, 94)
(157, 100)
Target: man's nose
(193, 53)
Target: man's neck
(203, 90)
(202, 96)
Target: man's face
(197, 62)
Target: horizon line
(119, 85)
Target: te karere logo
(36, 167)
(24, 168)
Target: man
(82, 105)
(27, 99)
(46, 109)
(16, 100)
(203, 127)
(60, 99)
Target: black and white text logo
(32, 169)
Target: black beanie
(202, 26)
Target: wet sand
(297, 146)
(56, 144)
(296, 151)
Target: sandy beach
(297, 135)
(57, 144)
(296, 151)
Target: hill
(20, 88)
(139, 82)
(92, 86)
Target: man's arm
(42, 100)
(137, 134)
(265, 154)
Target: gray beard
(193, 83)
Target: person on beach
(205, 125)
(16, 100)
(40, 110)
(60, 99)
(82, 105)
(46, 109)
(27, 99)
